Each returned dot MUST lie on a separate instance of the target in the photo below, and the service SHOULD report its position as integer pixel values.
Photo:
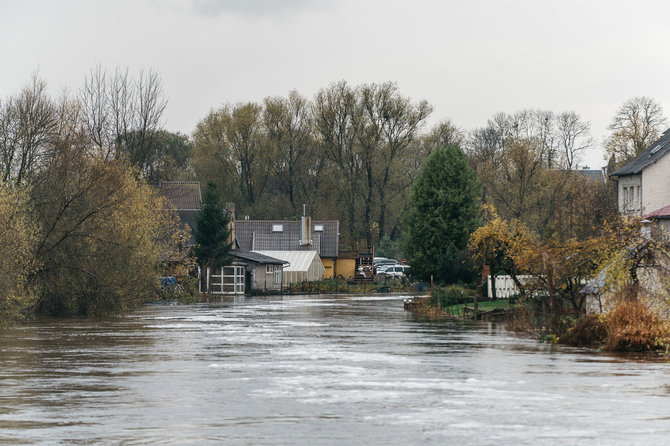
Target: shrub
(631, 326)
(450, 295)
(589, 331)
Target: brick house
(643, 184)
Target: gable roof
(256, 257)
(648, 156)
(184, 195)
(258, 235)
(592, 174)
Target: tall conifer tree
(213, 233)
(443, 210)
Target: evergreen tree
(212, 234)
(443, 210)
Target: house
(186, 198)
(643, 184)
(263, 273)
(249, 271)
(321, 236)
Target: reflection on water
(316, 370)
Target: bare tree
(334, 121)
(290, 131)
(445, 133)
(28, 124)
(574, 136)
(637, 123)
(123, 115)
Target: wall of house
(345, 268)
(656, 185)
(261, 280)
(329, 264)
(631, 183)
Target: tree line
(83, 232)
(76, 171)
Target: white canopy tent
(303, 265)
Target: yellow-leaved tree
(17, 255)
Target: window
(318, 228)
(639, 199)
(268, 269)
(626, 199)
(277, 274)
(277, 228)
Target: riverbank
(629, 327)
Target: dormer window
(277, 228)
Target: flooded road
(316, 370)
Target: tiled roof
(649, 156)
(257, 235)
(592, 174)
(663, 212)
(184, 195)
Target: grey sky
(469, 59)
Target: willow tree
(443, 210)
(104, 237)
(18, 238)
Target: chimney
(306, 231)
(230, 208)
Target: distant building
(321, 236)
(186, 198)
(301, 266)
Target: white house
(643, 184)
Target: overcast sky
(468, 58)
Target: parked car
(380, 261)
(397, 271)
(381, 269)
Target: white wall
(656, 185)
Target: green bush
(443, 297)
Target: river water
(317, 370)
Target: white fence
(505, 286)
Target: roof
(184, 195)
(663, 212)
(258, 235)
(591, 174)
(649, 156)
(257, 257)
(298, 260)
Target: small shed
(264, 273)
(303, 266)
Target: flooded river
(317, 370)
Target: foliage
(632, 326)
(498, 242)
(388, 248)
(104, 237)
(442, 212)
(589, 331)
(455, 294)
(212, 235)
(17, 257)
